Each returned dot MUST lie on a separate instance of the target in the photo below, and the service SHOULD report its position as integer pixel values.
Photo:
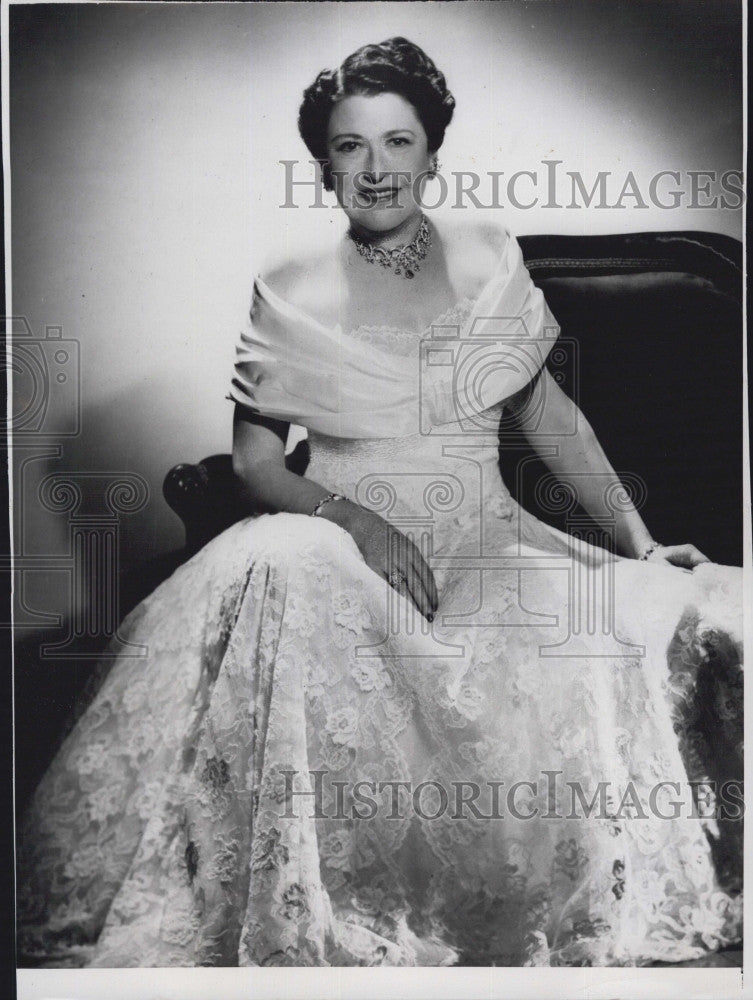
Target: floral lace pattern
(404, 342)
(303, 771)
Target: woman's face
(379, 157)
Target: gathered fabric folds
(291, 367)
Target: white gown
(194, 816)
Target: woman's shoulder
(304, 280)
(474, 236)
(473, 250)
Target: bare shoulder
(473, 250)
(306, 281)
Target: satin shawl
(291, 367)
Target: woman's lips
(379, 198)
(388, 194)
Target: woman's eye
(347, 147)
(400, 140)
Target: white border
(365, 984)
(353, 983)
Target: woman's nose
(376, 166)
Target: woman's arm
(259, 463)
(548, 413)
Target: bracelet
(652, 548)
(328, 499)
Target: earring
(434, 168)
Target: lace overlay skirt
(303, 771)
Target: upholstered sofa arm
(207, 496)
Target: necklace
(404, 260)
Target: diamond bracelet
(328, 499)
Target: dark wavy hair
(395, 66)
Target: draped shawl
(291, 367)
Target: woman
(375, 735)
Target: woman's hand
(259, 462)
(685, 556)
(389, 553)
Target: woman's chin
(383, 218)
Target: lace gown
(303, 771)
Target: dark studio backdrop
(145, 194)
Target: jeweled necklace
(403, 260)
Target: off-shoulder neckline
(284, 305)
(460, 309)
